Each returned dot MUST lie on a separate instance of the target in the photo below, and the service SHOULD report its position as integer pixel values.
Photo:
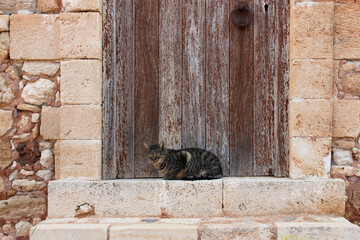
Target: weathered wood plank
(265, 81)
(146, 83)
(217, 80)
(109, 168)
(124, 87)
(193, 94)
(170, 72)
(282, 73)
(241, 97)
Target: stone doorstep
(227, 197)
(262, 228)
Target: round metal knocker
(242, 15)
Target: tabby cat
(188, 163)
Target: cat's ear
(146, 146)
(161, 145)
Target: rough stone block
(80, 122)
(310, 79)
(69, 231)
(154, 231)
(310, 157)
(79, 159)
(274, 196)
(48, 6)
(193, 198)
(4, 23)
(311, 30)
(22, 206)
(34, 36)
(310, 118)
(6, 121)
(122, 198)
(50, 123)
(80, 35)
(39, 92)
(82, 5)
(346, 120)
(80, 82)
(40, 68)
(25, 6)
(347, 31)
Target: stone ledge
(223, 197)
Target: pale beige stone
(80, 122)
(28, 107)
(23, 122)
(80, 82)
(39, 92)
(348, 67)
(26, 6)
(8, 6)
(311, 30)
(81, 35)
(13, 71)
(4, 23)
(82, 5)
(5, 38)
(39, 68)
(34, 36)
(6, 94)
(45, 174)
(342, 156)
(25, 185)
(48, 6)
(69, 231)
(154, 231)
(1, 184)
(310, 118)
(310, 79)
(125, 197)
(79, 159)
(50, 123)
(22, 206)
(45, 145)
(347, 31)
(263, 196)
(35, 117)
(26, 173)
(346, 143)
(351, 84)
(193, 198)
(4, 51)
(346, 120)
(47, 158)
(342, 170)
(5, 155)
(310, 157)
(23, 228)
(6, 121)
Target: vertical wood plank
(217, 80)
(109, 168)
(124, 87)
(170, 72)
(193, 95)
(146, 83)
(282, 73)
(265, 80)
(241, 97)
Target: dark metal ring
(242, 15)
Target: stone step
(225, 197)
(259, 228)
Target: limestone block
(82, 5)
(310, 157)
(50, 123)
(25, 185)
(48, 6)
(80, 122)
(26, 6)
(5, 38)
(154, 231)
(310, 118)
(80, 35)
(80, 82)
(8, 6)
(69, 231)
(39, 92)
(22, 206)
(275, 196)
(79, 159)
(6, 94)
(6, 121)
(47, 158)
(45, 174)
(125, 197)
(346, 171)
(23, 228)
(39, 68)
(4, 23)
(5, 155)
(346, 121)
(28, 107)
(342, 157)
(351, 83)
(1, 185)
(193, 198)
(310, 79)
(236, 230)
(4, 51)
(34, 36)
(311, 30)
(347, 31)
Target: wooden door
(181, 72)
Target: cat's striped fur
(188, 163)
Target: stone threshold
(272, 227)
(226, 197)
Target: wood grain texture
(217, 80)
(265, 81)
(241, 97)
(193, 94)
(124, 87)
(109, 169)
(170, 72)
(146, 83)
